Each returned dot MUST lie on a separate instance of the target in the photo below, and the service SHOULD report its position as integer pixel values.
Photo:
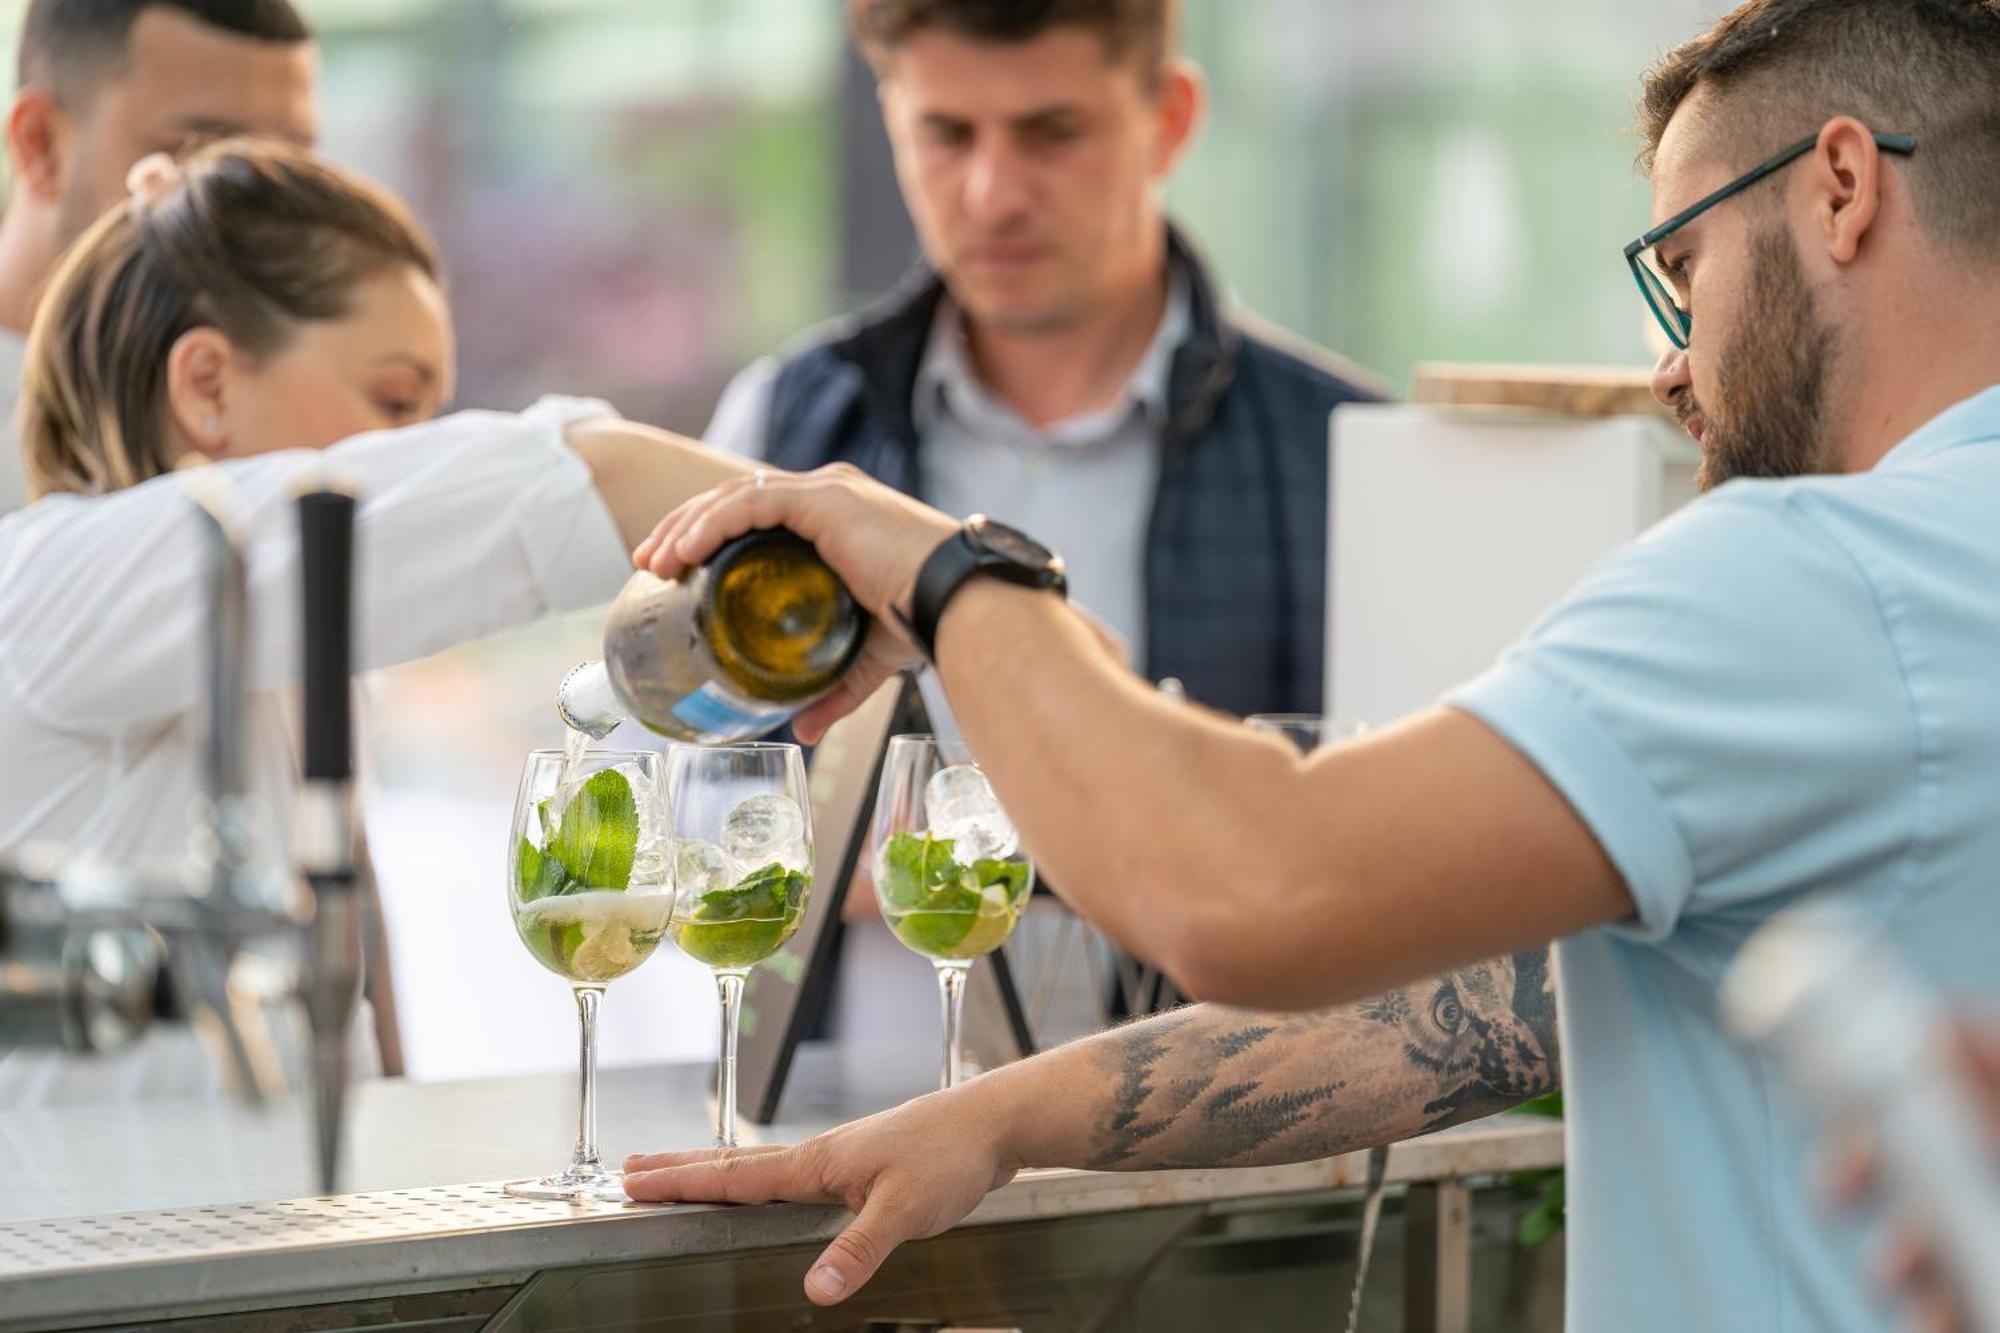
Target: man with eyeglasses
(1791, 688)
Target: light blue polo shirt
(1788, 688)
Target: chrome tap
(237, 898)
(82, 940)
(64, 984)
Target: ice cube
(549, 813)
(653, 854)
(962, 808)
(764, 829)
(647, 799)
(654, 820)
(699, 867)
(652, 863)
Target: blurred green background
(636, 196)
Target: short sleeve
(742, 419)
(1723, 706)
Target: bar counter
(199, 1214)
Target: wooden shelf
(1575, 391)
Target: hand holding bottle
(874, 538)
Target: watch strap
(957, 559)
(953, 562)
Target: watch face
(1014, 545)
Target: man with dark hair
(1775, 72)
(1788, 690)
(102, 84)
(1064, 360)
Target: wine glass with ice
(743, 868)
(949, 871)
(589, 883)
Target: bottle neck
(586, 702)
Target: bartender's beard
(1775, 369)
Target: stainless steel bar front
(87, 1240)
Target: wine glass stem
(951, 989)
(587, 1000)
(730, 986)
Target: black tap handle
(326, 562)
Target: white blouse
(13, 480)
(467, 525)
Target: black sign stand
(787, 992)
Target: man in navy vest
(1064, 360)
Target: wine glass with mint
(590, 886)
(743, 868)
(949, 872)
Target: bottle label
(719, 718)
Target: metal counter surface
(146, 1209)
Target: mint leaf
(599, 833)
(769, 894)
(1014, 874)
(938, 923)
(528, 872)
(935, 904)
(913, 865)
(739, 926)
(539, 876)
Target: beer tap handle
(326, 844)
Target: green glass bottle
(729, 651)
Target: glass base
(572, 1186)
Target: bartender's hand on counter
(875, 538)
(905, 1174)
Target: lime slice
(933, 934)
(988, 930)
(605, 955)
(734, 943)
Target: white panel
(1452, 532)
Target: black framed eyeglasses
(1643, 257)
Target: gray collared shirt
(1083, 486)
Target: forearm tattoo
(1210, 1086)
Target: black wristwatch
(982, 546)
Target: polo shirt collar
(1976, 418)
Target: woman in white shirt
(265, 312)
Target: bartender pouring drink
(1791, 688)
